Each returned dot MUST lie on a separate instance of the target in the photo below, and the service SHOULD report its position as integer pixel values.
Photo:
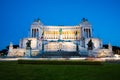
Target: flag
(42, 36)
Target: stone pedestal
(90, 53)
(28, 52)
(60, 37)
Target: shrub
(59, 62)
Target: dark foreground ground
(11, 70)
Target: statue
(90, 45)
(60, 31)
(83, 19)
(28, 49)
(28, 44)
(60, 34)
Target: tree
(4, 52)
(14, 46)
(116, 49)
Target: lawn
(11, 70)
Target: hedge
(59, 62)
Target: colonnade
(87, 32)
(65, 35)
(35, 32)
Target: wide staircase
(59, 54)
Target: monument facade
(44, 39)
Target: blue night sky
(16, 17)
